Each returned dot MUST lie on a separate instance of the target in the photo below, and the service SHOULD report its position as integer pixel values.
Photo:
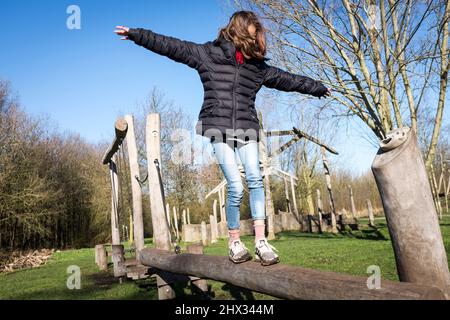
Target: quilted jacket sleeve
(277, 78)
(181, 51)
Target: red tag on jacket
(239, 57)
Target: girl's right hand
(122, 31)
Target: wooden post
(411, 216)
(330, 193)
(286, 194)
(115, 232)
(352, 203)
(184, 217)
(204, 233)
(197, 282)
(319, 209)
(213, 226)
(100, 257)
(168, 215)
(188, 216)
(294, 200)
(138, 223)
(175, 221)
(268, 194)
(161, 232)
(370, 213)
(223, 216)
(118, 258)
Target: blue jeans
(226, 155)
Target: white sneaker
(264, 253)
(238, 252)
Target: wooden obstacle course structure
(398, 170)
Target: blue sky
(82, 79)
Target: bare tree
(386, 60)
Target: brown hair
(237, 32)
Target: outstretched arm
(277, 78)
(181, 51)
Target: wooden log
(286, 195)
(410, 212)
(101, 258)
(370, 213)
(201, 284)
(188, 216)
(161, 232)
(136, 192)
(284, 281)
(118, 258)
(121, 127)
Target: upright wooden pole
(175, 221)
(330, 192)
(184, 217)
(161, 232)
(100, 257)
(411, 216)
(204, 233)
(223, 215)
(370, 213)
(319, 208)
(352, 203)
(188, 216)
(115, 232)
(286, 194)
(294, 200)
(270, 212)
(138, 222)
(168, 214)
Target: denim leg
(250, 160)
(226, 159)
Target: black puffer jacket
(229, 88)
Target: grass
(350, 253)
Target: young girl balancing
(232, 69)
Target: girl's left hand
(122, 31)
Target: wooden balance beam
(283, 281)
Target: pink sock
(233, 235)
(260, 229)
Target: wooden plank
(284, 281)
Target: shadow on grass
(377, 234)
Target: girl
(232, 69)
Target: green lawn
(349, 253)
